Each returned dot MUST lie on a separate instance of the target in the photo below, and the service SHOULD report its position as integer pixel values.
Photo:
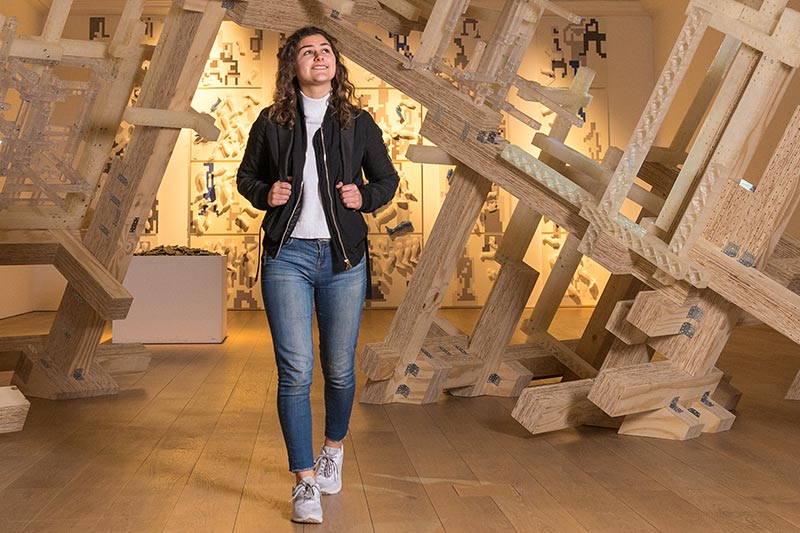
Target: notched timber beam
(101, 290)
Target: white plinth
(176, 299)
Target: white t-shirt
(311, 223)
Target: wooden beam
(28, 247)
(552, 407)
(639, 388)
(560, 277)
(497, 322)
(565, 355)
(429, 155)
(90, 279)
(671, 423)
(202, 123)
(656, 315)
(749, 289)
(619, 325)
(703, 334)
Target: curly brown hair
(342, 99)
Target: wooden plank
(619, 325)
(596, 339)
(639, 388)
(28, 247)
(438, 32)
(403, 8)
(497, 322)
(552, 407)
(714, 417)
(671, 423)
(621, 354)
(202, 123)
(56, 20)
(568, 261)
(565, 355)
(90, 279)
(656, 315)
(13, 409)
(750, 290)
(118, 359)
(705, 94)
(429, 155)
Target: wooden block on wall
(672, 423)
(13, 409)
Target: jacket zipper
(347, 265)
(289, 222)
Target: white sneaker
(328, 468)
(307, 502)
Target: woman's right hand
(279, 193)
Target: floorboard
(194, 444)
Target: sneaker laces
(326, 464)
(303, 491)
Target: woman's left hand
(350, 195)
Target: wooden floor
(194, 445)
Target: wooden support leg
(556, 285)
(464, 200)
(497, 323)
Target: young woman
(303, 166)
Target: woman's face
(315, 64)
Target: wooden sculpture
(51, 209)
(703, 255)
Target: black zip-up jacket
(275, 152)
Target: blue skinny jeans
(297, 283)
